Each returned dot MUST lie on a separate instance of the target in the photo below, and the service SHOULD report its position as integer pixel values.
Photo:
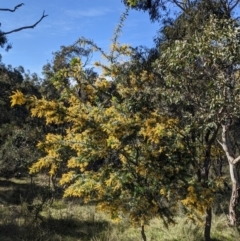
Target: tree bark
(208, 224)
(144, 238)
(233, 162)
(234, 200)
(205, 173)
(208, 221)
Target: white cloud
(93, 12)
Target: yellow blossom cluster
(17, 98)
(198, 199)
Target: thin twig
(25, 27)
(12, 10)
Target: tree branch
(236, 160)
(179, 5)
(25, 27)
(12, 10)
(233, 6)
(220, 143)
(227, 147)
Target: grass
(69, 220)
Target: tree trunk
(233, 216)
(233, 163)
(205, 173)
(208, 223)
(144, 238)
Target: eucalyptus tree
(202, 85)
(160, 9)
(190, 21)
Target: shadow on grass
(13, 192)
(19, 222)
(53, 230)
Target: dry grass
(69, 220)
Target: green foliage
(18, 132)
(199, 71)
(202, 90)
(164, 10)
(155, 8)
(18, 150)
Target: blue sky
(68, 21)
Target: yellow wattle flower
(17, 98)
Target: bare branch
(25, 27)
(233, 6)
(236, 160)
(180, 5)
(220, 143)
(12, 10)
(227, 147)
